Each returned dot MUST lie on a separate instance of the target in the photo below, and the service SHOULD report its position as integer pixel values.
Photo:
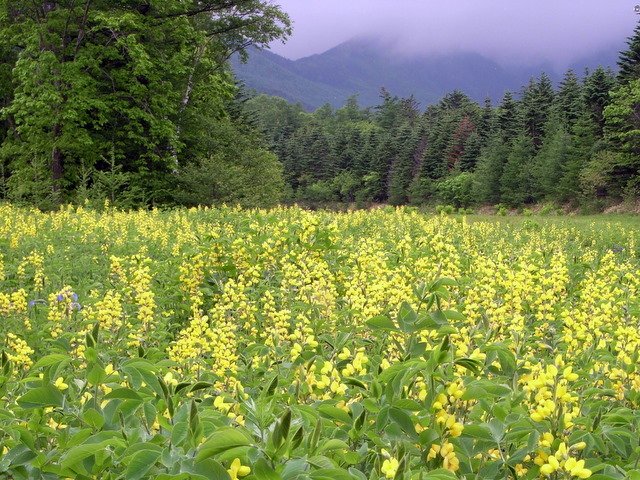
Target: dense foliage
(290, 345)
(576, 143)
(126, 99)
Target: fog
(509, 31)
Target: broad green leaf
(335, 413)
(408, 404)
(141, 463)
(263, 471)
(221, 440)
(80, 452)
(381, 323)
(332, 444)
(51, 360)
(123, 394)
(93, 418)
(47, 396)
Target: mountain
(363, 67)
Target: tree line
(575, 143)
(131, 101)
(134, 101)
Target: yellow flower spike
(238, 470)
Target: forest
(134, 102)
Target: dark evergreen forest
(134, 102)
(576, 143)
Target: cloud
(558, 31)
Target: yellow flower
(576, 468)
(238, 470)
(60, 385)
(390, 467)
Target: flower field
(294, 345)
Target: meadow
(286, 344)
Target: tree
(403, 166)
(508, 118)
(629, 60)
(569, 101)
(596, 90)
(99, 79)
(537, 100)
(489, 171)
(516, 181)
(622, 118)
(551, 160)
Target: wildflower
(390, 467)
(238, 470)
(60, 385)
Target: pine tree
(516, 181)
(489, 171)
(596, 90)
(629, 60)
(403, 166)
(537, 100)
(569, 101)
(508, 119)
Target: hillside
(363, 67)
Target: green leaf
(208, 469)
(263, 471)
(47, 396)
(141, 463)
(408, 404)
(179, 433)
(440, 474)
(96, 375)
(51, 360)
(381, 323)
(335, 413)
(93, 418)
(123, 394)
(223, 439)
(80, 452)
(406, 318)
(479, 432)
(404, 421)
(332, 444)
(330, 474)
(281, 430)
(470, 364)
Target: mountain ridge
(362, 67)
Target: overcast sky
(519, 31)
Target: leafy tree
(228, 173)
(98, 79)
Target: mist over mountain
(363, 67)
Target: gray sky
(506, 30)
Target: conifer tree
(629, 59)
(537, 100)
